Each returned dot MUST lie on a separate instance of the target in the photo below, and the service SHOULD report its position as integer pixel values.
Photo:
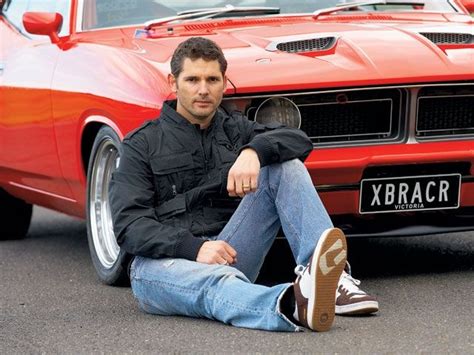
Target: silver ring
(226, 263)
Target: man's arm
(276, 143)
(265, 144)
(132, 195)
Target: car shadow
(370, 258)
(385, 257)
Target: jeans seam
(170, 285)
(239, 222)
(288, 223)
(239, 306)
(274, 195)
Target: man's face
(199, 89)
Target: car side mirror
(468, 4)
(43, 23)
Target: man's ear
(172, 82)
(225, 82)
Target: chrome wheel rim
(100, 216)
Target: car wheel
(110, 262)
(15, 216)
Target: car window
(14, 10)
(110, 13)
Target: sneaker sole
(328, 262)
(366, 307)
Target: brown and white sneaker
(316, 283)
(351, 300)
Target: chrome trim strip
(335, 188)
(41, 191)
(419, 86)
(445, 138)
(79, 15)
(412, 113)
(108, 28)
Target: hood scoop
(449, 38)
(303, 45)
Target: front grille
(367, 116)
(307, 45)
(347, 121)
(449, 38)
(445, 112)
(352, 116)
(348, 117)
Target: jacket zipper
(200, 134)
(203, 147)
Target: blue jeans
(285, 197)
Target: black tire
(15, 216)
(110, 262)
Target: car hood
(361, 52)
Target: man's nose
(203, 88)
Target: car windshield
(111, 13)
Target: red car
(384, 88)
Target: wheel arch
(89, 131)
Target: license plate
(410, 193)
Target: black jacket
(171, 184)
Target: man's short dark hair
(197, 48)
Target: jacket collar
(169, 112)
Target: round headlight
(279, 109)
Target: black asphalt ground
(52, 302)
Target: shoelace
(347, 281)
(299, 269)
(351, 285)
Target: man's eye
(191, 79)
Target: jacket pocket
(173, 174)
(227, 151)
(171, 207)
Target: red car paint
(53, 94)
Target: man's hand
(217, 252)
(243, 175)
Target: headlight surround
(278, 109)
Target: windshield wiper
(348, 5)
(200, 14)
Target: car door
(28, 154)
